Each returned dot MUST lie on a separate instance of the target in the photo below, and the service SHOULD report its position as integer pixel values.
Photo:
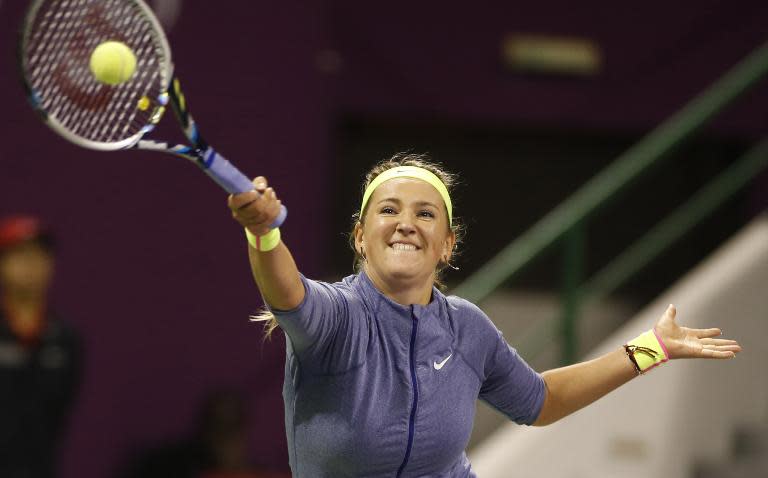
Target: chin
(406, 273)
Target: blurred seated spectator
(40, 356)
(217, 448)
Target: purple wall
(442, 59)
(153, 270)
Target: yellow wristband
(648, 351)
(264, 243)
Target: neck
(403, 292)
(16, 303)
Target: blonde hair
(400, 159)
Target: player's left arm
(572, 388)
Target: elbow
(543, 421)
(285, 296)
(288, 301)
(545, 417)
(547, 414)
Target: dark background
(154, 273)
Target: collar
(377, 300)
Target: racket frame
(213, 164)
(127, 143)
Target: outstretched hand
(683, 342)
(256, 210)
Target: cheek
(438, 239)
(377, 228)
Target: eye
(426, 213)
(387, 210)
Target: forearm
(277, 277)
(572, 388)
(272, 265)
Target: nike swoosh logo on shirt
(438, 366)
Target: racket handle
(231, 179)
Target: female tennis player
(383, 370)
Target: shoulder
(468, 314)
(318, 293)
(347, 289)
(471, 324)
(461, 305)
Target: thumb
(671, 311)
(668, 317)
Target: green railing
(567, 221)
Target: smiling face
(404, 235)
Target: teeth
(403, 247)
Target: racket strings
(56, 56)
(45, 64)
(64, 65)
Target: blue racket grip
(231, 179)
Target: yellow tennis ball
(112, 62)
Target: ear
(448, 245)
(358, 232)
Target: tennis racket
(57, 41)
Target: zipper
(412, 420)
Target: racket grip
(231, 179)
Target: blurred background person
(217, 448)
(40, 356)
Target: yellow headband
(410, 172)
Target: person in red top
(40, 356)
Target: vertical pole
(573, 272)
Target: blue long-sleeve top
(378, 389)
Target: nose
(405, 225)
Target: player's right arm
(275, 271)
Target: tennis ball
(112, 62)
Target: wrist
(265, 242)
(646, 351)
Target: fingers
(264, 207)
(719, 348)
(707, 333)
(718, 342)
(718, 354)
(242, 200)
(238, 201)
(253, 204)
(272, 207)
(260, 183)
(257, 209)
(723, 348)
